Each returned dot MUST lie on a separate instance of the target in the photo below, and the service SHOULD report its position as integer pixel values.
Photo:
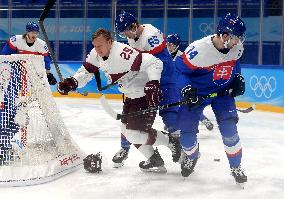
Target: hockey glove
(51, 79)
(190, 94)
(93, 163)
(68, 84)
(153, 93)
(237, 86)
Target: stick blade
(107, 107)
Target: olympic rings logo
(207, 29)
(263, 86)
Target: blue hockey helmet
(173, 39)
(32, 26)
(233, 25)
(123, 21)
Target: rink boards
(264, 86)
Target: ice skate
(119, 158)
(239, 176)
(207, 123)
(154, 164)
(187, 165)
(174, 146)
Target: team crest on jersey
(222, 74)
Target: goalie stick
(42, 17)
(118, 116)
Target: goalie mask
(93, 163)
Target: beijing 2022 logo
(263, 86)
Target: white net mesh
(35, 145)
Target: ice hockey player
(173, 43)
(29, 43)
(147, 38)
(210, 74)
(138, 75)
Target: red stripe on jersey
(90, 67)
(11, 45)
(186, 61)
(140, 51)
(234, 154)
(2, 105)
(158, 49)
(137, 63)
(32, 53)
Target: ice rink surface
(262, 138)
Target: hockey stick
(107, 86)
(118, 116)
(116, 82)
(247, 110)
(42, 17)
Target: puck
(216, 159)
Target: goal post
(35, 146)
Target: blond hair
(105, 33)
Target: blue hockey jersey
(204, 67)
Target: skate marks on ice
(80, 118)
(262, 137)
(214, 176)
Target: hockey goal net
(35, 146)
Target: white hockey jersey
(18, 45)
(151, 40)
(206, 68)
(130, 68)
(203, 54)
(17, 42)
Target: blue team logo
(13, 38)
(45, 47)
(153, 41)
(222, 74)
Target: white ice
(262, 137)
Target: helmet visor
(241, 38)
(127, 29)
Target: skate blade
(118, 165)
(241, 185)
(161, 169)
